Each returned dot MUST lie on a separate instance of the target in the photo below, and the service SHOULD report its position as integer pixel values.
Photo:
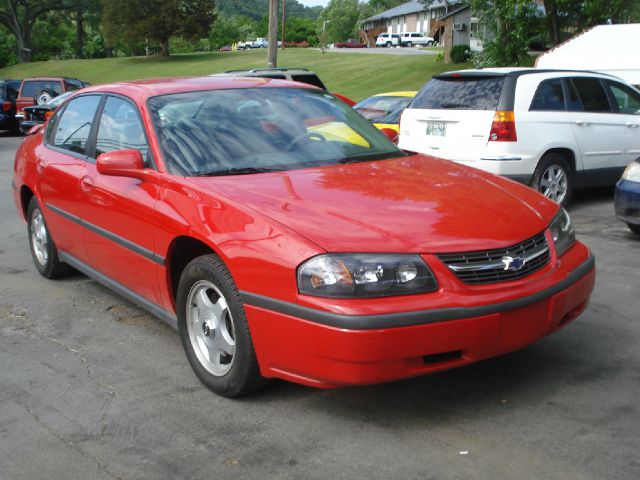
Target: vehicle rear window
(460, 94)
(30, 88)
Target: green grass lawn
(355, 75)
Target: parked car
(8, 94)
(225, 48)
(409, 39)
(351, 43)
(277, 252)
(388, 40)
(551, 129)
(257, 43)
(303, 75)
(38, 114)
(627, 197)
(38, 91)
(384, 109)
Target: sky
(313, 3)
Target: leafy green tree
(229, 30)
(512, 23)
(136, 21)
(20, 16)
(7, 49)
(341, 17)
(301, 30)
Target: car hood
(406, 204)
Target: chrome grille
(490, 266)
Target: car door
(61, 164)
(627, 104)
(600, 132)
(119, 213)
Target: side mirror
(122, 163)
(35, 129)
(391, 134)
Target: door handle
(583, 123)
(86, 184)
(633, 125)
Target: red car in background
(351, 43)
(284, 236)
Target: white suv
(554, 130)
(388, 40)
(409, 39)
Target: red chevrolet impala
(284, 236)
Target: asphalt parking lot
(91, 387)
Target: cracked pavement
(92, 387)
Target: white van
(388, 40)
(409, 39)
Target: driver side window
(120, 128)
(74, 125)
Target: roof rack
(277, 69)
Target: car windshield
(240, 131)
(382, 109)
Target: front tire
(409, 44)
(214, 329)
(43, 250)
(554, 178)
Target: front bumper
(627, 201)
(330, 349)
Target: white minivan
(554, 130)
(388, 40)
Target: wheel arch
(182, 250)
(567, 153)
(26, 194)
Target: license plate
(436, 129)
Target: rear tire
(409, 44)
(554, 178)
(429, 44)
(388, 44)
(214, 330)
(634, 228)
(43, 250)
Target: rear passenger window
(460, 94)
(592, 95)
(549, 96)
(120, 128)
(627, 100)
(75, 123)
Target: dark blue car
(627, 197)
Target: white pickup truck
(257, 43)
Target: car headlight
(562, 231)
(365, 275)
(632, 172)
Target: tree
(341, 17)
(19, 16)
(157, 20)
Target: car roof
(258, 71)
(509, 72)
(143, 89)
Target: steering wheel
(304, 137)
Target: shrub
(460, 53)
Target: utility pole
(284, 9)
(272, 50)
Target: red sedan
(284, 236)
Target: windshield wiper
(236, 171)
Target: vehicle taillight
(6, 106)
(503, 128)
(48, 115)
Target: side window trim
(94, 135)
